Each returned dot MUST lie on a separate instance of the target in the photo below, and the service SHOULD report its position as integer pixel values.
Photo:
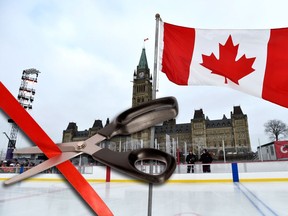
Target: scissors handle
(126, 162)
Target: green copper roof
(143, 64)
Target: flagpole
(154, 90)
(155, 71)
(154, 83)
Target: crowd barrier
(220, 172)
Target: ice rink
(131, 199)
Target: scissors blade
(54, 161)
(89, 146)
(64, 147)
(73, 149)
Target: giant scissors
(128, 122)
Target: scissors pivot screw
(81, 145)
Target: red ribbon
(30, 127)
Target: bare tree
(275, 128)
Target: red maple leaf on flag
(227, 65)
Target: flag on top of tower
(251, 61)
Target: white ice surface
(131, 199)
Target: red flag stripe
(30, 127)
(275, 86)
(177, 53)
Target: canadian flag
(251, 61)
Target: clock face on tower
(141, 74)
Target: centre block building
(229, 134)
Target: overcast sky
(87, 52)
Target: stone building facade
(231, 133)
(201, 132)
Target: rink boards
(102, 174)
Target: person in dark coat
(191, 159)
(206, 159)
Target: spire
(143, 64)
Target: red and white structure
(277, 150)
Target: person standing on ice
(206, 159)
(191, 159)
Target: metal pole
(7, 136)
(150, 193)
(224, 153)
(199, 150)
(260, 150)
(155, 71)
(185, 149)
